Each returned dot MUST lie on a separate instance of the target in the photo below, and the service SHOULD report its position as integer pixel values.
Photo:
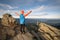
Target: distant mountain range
(53, 22)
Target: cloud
(7, 6)
(58, 1)
(38, 12)
(46, 16)
(42, 0)
(12, 12)
(38, 8)
(49, 12)
(53, 7)
(52, 16)
(1, 10)
(45, 9)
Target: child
(22, 20)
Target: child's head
(22, 11)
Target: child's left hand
(30, 11)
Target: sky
(49, 9)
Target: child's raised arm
(27, 13)
(16, 13)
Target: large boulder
(7, 26)
(8, 20)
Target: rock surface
(8, 20)
(10, 30)
(49, 32)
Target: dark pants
(22, 28)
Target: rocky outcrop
(7, 27)
(44, 32)
(49, 32)
(10, 30)
(8, 20)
